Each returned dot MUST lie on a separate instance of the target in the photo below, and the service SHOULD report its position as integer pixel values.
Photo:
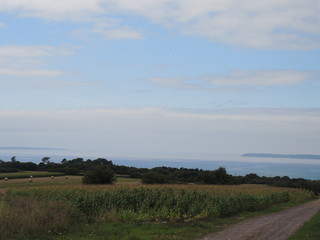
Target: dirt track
(276, 226)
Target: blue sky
(164, 78)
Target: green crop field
(168, 203)
(130, 210)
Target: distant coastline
(272, 155)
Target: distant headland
(271, 155)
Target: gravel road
(276, 226)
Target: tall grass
(22, 218)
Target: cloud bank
(157, 132)
(27, 61)
(274, 24)
(234, 80)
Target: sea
(235, 164)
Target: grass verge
(310, 230)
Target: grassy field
(66, 209)
(27, 174)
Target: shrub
(72, 171)
(154, 178)
(99, 175)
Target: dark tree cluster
(76, 166)
(99, 175)
(16, 166)
(161, 175)
(285, 181)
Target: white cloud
(49, 81)
(21, 51)
(2, 25)
(54, 9)
(30, 73)
(234, 79)
(54, 84)
(125, 33)
(27, 61)
(111, 29)
(263, 78)
(152, 132)
(273, 24)
(172, 82)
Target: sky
(160, 78)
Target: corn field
(170, 203)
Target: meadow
(66, 209)
(27, 174)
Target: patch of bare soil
(276, 226)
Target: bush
(154, 178)
(99, 175)
(72, 171)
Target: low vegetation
(182, 203)
(99, 175)
(31, 219)
(309, 231)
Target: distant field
(27, 174)
(128, 180)
(58, 181)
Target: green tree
(99, 175)
(45, 160)
(153, 177)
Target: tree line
(157, 175)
